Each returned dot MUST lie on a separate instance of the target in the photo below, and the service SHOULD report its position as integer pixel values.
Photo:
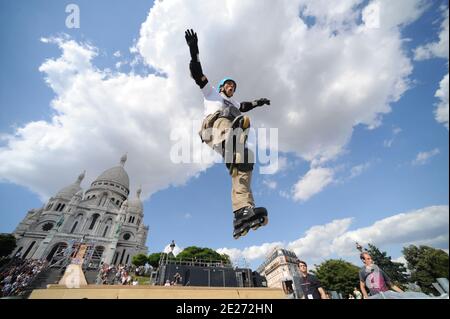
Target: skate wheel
(234, 172)
(256, 227)
(246, 122)
(265, 221)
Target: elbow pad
(197, 73)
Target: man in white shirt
(222, 115)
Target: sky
(359, 117)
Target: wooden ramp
(154, 292)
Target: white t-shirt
(215, 101)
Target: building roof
(116, 174)
(69, 191)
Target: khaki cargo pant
(241, 193)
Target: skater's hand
(192, 41)
(262, 101)
(191, 38)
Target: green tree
(338, 275)
(200, 253)
(426, 264)
(395, 270)
(139, 260)
(7, 244)
(153, 259)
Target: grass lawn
(142, 280)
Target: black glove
(192, 42)
(196, 72)
(262, 101)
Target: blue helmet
(222, 83)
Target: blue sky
(388, 179)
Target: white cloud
(176, 250)
(98, 117)
(386, 14)
(284, 194)
(426, 226)
(423, 157)
(395, 132)
(316, 242)
(323, 81)
(441, 112)
(359, 169)
(437, 49)
(117, 54)
(402, 260)
(309, 65)
(249, 253)
(419, 225)
(270, 184)
(313, 182)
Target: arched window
(106, 230)
(74, 227)
(103, 199)
(28, 250)
(121, 258)
(57, 251)
(19, 250)
(94, 220)
(57, 207)
(62, 207)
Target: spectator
(15, 279)
(374, 278)
(309, 284)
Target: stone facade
(104, 217)
(281, 270)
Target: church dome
(69, 191)
(116, 174)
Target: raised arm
(195, 66)
(247, 106)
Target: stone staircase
(49, 276)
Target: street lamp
(161, 260)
